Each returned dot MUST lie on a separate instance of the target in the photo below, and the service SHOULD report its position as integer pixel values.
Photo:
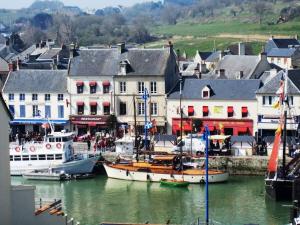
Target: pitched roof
(293, 83)
(3, 65)
(285, 42)
(7, 52)
(49, 54)
(23, 55)
(5, 107)
(281, 52)
(233, 64)
(204, 55)
(107, 61)
(222, 89)
(36, 81)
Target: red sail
(272, 167)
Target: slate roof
(36, 81)
(23, 55)
(204, 55)
(285, 42)
(293, 83)
(7, 52)
(49, 54)
(233, 64)
(106, 62)
(221, 89)
(281, 52)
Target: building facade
(225, 106)
(36, 96)
(267, 96)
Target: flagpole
(206, 135)
(284, 119)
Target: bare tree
(260, 8)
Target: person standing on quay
(89, 143)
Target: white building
(267, 96)
(91, 86)
(225, 106)
(34, 95)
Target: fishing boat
(279, 179)
(45, 175)
(174, 183)
(55, 152)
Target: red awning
(93, 103)
(244, 109)
(79, 83)
(205, 109)
(93, 83)
(190, 109)
(106, 103)
(106, 83)
(230, 109)
(242, 129)
(80, 103)
(92, 124)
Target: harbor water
(239, 201)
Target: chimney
(203, 68)
(170, 45)
(242, 48)
(222, 54)
(10, 66)
(262, 56)
(72, 46)
(222, 72)
(18, 64)
(121, 47)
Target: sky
(91, 4)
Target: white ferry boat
(56, 152)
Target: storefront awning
(93, 103)
(205, 109)
(93, 83)
(79, 83)
(106, 103)
(36, 121)
(106, 83)
(244, 109)
(80, 103)
(230, 109)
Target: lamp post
(145, 97)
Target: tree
(33, 35)
(42, 21)
(260, 8)
(63, 28)
(169, 15)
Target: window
(272, 60)
(35, 110)
(58, 156)
(244, 111)
(263, 100)
(153, 87)
(22, 111)
(33, 157)
(34, 97)
(80, 109)
(205, 111)
(60, 111)
(50, 157)
(93, 109)
(25, 157)
(80, 88)
(291, 100)
(12, 109)
(11, 158)
(60, 97)
(269, 100)
(47, 111)
(230, 111)
(47, 97)
(190, 110)
(11, 97)
(122, 108)
(123, 87)
(285, 61)
(42, 157)
(22, 97)
(93, 89)
(141, 87)
(17, 158)
(141, 108)
(105, 89)
(278, 60)
(205, 94)
(106, 109)
(153, 108)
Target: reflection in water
(239, 201)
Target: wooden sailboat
(163, 167)
(279, 180)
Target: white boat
(125, 145)
(45, 175)
(55, 152)
(191, 144)
(162, 167)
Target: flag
(280, 91)
(278, 130)
(276, 105)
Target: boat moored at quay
(54, 153)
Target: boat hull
(157, 177)
(73, 167)
(279, 189)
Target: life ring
(58, 145)
(17, 149)
(48, 146)
(32, 148)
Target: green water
(239, 201)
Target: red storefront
(216, 126)
(93, 124)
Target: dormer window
(124, 67)
(206, 92)
(240, 75)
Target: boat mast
(180, 107)
(285, 99)
(145, 97)
(135, 130)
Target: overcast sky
(16, 4)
